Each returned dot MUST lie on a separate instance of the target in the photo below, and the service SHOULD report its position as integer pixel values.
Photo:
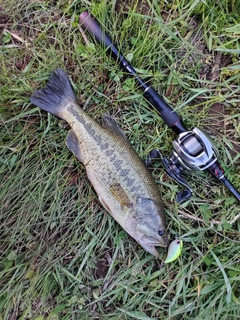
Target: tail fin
(55, 95)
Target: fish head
(147, 225)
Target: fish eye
(161, 232)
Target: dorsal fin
(110, 124)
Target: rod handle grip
(170, 117)
(89, 23)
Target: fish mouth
(150, 244)
(155, 242)
(151, 248)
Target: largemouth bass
(124, 185)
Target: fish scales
(124, 185)
(111, 161)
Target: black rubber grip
(90, 23)
(170, 117)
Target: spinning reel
(193, 149)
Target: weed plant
(62, 255)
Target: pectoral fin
(73, 145)
(120, 195)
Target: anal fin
(73, 145)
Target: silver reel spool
(195, 150)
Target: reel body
(193, 151)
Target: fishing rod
(193, 149)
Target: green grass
(62, 255)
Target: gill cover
(147, 225)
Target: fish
(124, 185)
(174, 250)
